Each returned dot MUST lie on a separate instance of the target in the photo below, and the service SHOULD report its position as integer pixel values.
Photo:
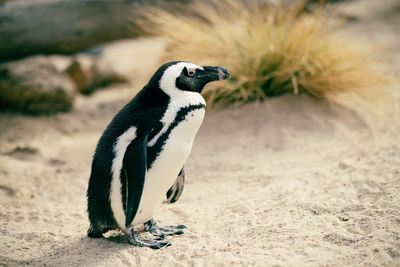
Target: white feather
(120, 146)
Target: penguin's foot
(150, 243)
(96, 232)
(152, 227)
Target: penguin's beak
(216, 73)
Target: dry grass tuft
(269, 51)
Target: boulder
(36, 85)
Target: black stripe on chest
(154, 151)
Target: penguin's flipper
(134, 166)
(175, 192)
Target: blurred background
(297, 161)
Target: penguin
(139, 159)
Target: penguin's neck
(185, 99)
(179, 98)
(176, 103)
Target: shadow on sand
(97, 251)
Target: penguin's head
(184, 76)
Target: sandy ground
(293, 181)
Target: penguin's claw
(161, 232)
(150, 243)
(181, 226)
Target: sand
(293, 181)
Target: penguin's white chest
(165, 168)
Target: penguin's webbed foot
(150, 243)
(152, 227)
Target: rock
(126, 58)
(61, 63)
(36, 85)
(89, 72)
(82, 72)
(46, 84)
(115, 62)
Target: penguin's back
(141, 112)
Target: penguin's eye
(191, 72)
